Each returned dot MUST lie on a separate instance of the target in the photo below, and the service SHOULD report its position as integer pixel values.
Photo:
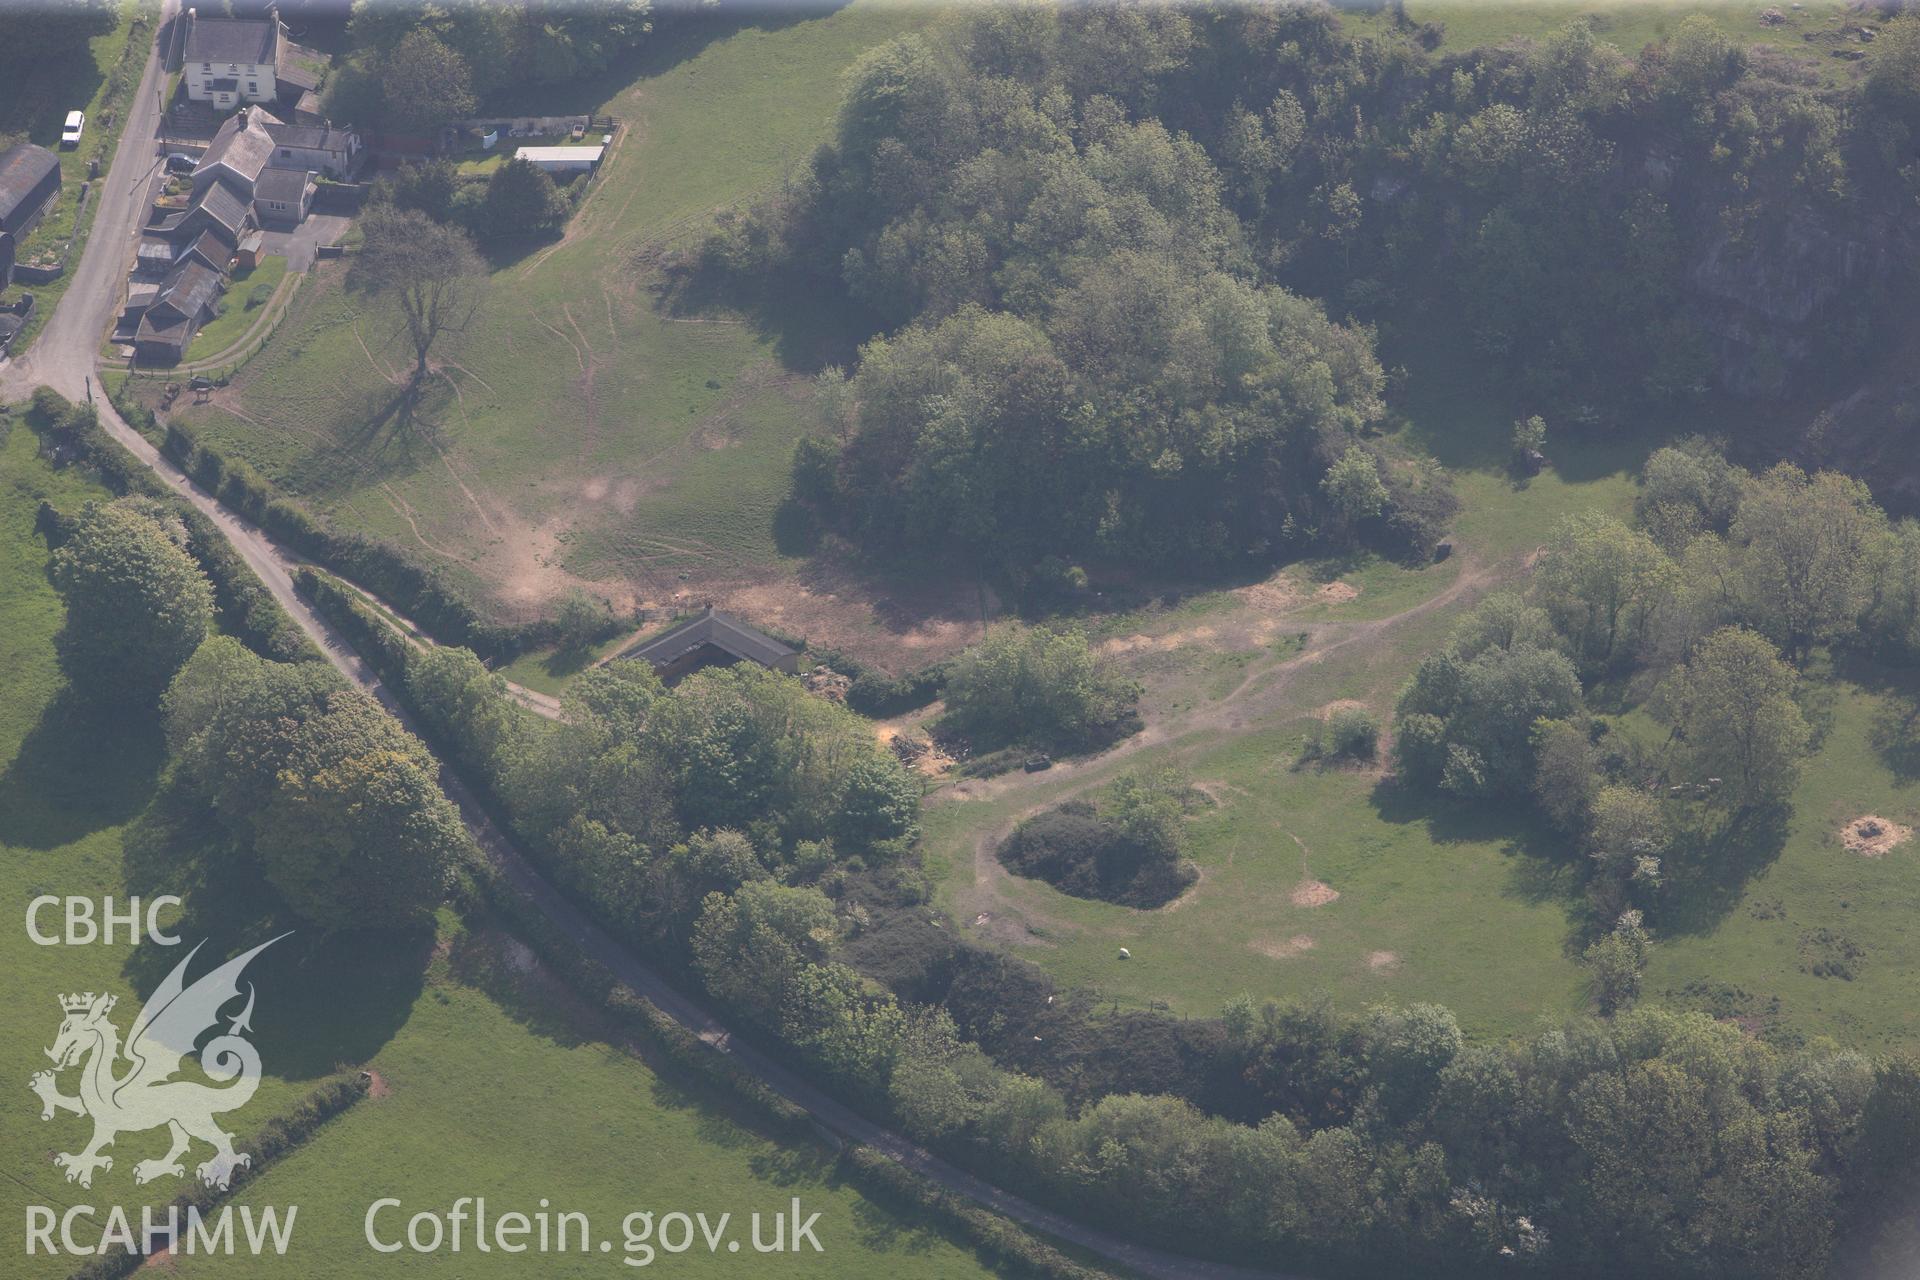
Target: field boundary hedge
(418, 590)
(278, 1138)
(246, 608)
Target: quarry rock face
(1764, 293)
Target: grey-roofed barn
(29, 178)
(176, 313)
(713, 639)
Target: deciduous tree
(1732, 707)
(430, 269)
(137, 604)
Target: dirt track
(1260, 695)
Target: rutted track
(1261, 693)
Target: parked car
(181, 162)
(70, 135)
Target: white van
(70, 136)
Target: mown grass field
(583, 435)
(493, 1088)
(494, 1082)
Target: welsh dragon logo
(145, 1095)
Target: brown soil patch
(916, 751)
(1313, 893)
(1383, 961)
(1166, 642)
(1277, 594)
(895, 629)
(1339, 704)
(377, 1086)
(1286, 950)
(1336, 593)
(1873, 837)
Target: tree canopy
(137, 604)
(434, 275)
(340, 805)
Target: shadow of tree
(796, 532)
(811, 323)
(36, 105)
(1895, 731)
(80, 769)
(326, 998)
(1544, 865)
(509, 973)
(388, 439)
(1710, 863)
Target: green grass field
(552, 670)
(70, 783)
(1815, 28)
(583, 435)
(494, 1082)
(495, 1091)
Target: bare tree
(432, 271)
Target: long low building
(29, 180)
(563, 159)
(712, 639)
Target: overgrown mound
(1129, 850)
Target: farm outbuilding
(29, 179)
(713, 639)
(564, 159)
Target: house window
(252, 87)
(206, 68)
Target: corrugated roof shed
(562, 155)
(24, 171)
(190, 291)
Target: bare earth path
(64, 358)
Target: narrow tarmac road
(63, 356)
(64, 359)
